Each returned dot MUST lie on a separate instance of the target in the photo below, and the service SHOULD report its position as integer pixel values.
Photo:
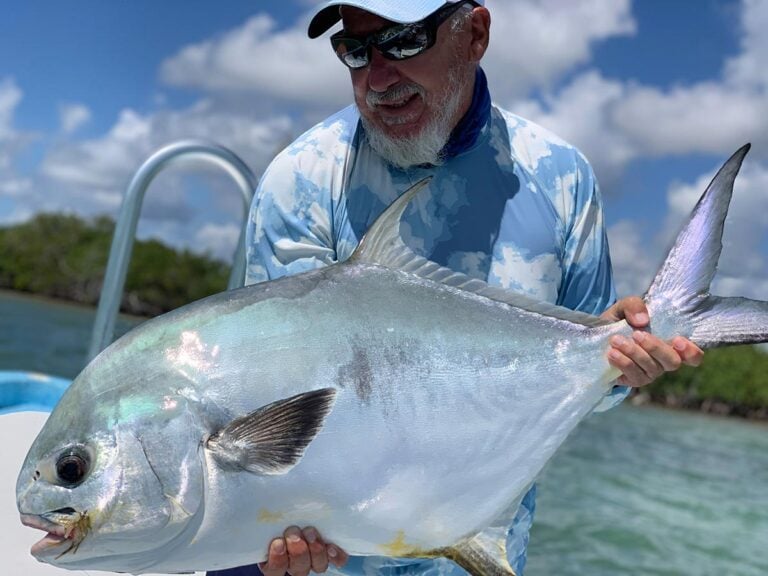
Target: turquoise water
(633, 491)
(655, 492)
(47, 336)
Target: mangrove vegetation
(730, 382)
(64, 256)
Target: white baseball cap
(400, 11)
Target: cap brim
(324, 20)
(412, 11)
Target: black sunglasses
(398, 42)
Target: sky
(656, 93)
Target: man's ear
(481, 32)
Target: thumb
(632, 309)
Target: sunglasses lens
(398, 42)
(350, 51)
(401, 42)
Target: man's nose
(382, 73)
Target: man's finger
(277, 562)
(662, 353)
(317, 550)
(632, 308)
(635, 312)
(299, 561)
(689, 353)
(337, 556)
(632, 374)
(635, 352)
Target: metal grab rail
(125, 229)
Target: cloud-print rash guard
(519, 208)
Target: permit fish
(398, 406)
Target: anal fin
(482, 555)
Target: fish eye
(72, 467)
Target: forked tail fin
(679, 301)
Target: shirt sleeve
(289, 229)
(588, 276)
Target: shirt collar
(466, 132)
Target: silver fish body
(396, 406)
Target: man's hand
(300, 551)
(644, 357)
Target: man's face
(403, 100)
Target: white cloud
(10, 96)
(615, 122)
(107, 163)
(12, 142)
(91, 176)
(748, 68)
(634, 265)
(258, 58)
(285, 64)
(583, 114)
(741, 270)
(220, 240)
(742, 266)
(708, 117)
(534, 42)
(15, 216)
(711, 117)
(73, 116)
(16, 187)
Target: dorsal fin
(383, 245)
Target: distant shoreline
(159, 278)
(708, 407)
(86, 308)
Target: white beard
(425, 147)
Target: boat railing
(125, 230)
(21, 391)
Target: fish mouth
(70, 528)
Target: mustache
(394, 95)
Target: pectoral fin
(272, 439)
(482, 555)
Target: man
(509, 203)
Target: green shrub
(64, 256)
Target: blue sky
(657, 93)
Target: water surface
(653, 491)
(43, 335)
